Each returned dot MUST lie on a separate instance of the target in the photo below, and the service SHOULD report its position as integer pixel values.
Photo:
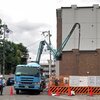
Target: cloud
(27, 19)
(29, 34)
(25, 28)
(25, 25)
(65, 3)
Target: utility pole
(3, 29)
(4, 26)
(50, 60)
(1, 45)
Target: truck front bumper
(27, 87)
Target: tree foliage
(14, 54)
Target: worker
(1, 84)
(56, 82)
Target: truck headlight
(17, 82)
(38, 83)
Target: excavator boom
(59, 51)
(56, 53)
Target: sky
(29, 18)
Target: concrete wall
(89, 19)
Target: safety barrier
(77, 90)
(63, 85)
(95, 90)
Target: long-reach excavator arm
(40, 50)
(56, 53)
(59, 51)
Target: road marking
(67, 98)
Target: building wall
(77, 62)
(89, 19)
(59, 27)
(85, 60)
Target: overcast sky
(28, 18)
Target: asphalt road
(25, 96)
(43, 96)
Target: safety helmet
(1, 76)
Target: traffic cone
(57, 93)
(49, 92)
(91, 93)
(69, 91)
(11, 91)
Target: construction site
(79, 57)
(78, 65)
(75, 68)
(50, 49)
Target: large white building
(78, 60)
(89, 19)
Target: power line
(34, 43)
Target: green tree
(14, 54)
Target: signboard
(84, 80)
(91, 80)
(74, 80)
(78, 81)
(97, 80)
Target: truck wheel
(38, 92)
(17, 91)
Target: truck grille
(25, 80)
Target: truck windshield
(20, 70)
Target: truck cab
(28, 78)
